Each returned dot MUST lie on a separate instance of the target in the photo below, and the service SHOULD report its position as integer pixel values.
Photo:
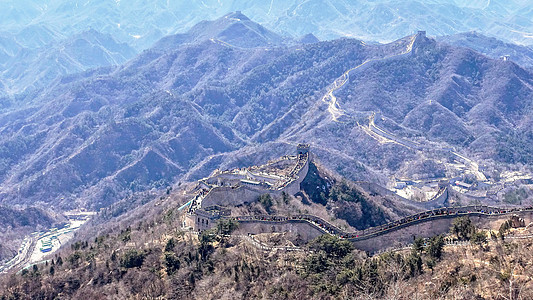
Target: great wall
(284, 175)
(223, 189)
(457, 173)
(241, 186)
(394, 234)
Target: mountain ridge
(492, 47)
(80, 52)
(383, 21)
(182, 110)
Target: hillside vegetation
(150, 257)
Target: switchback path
(383, 136)
(333, 105)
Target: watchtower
(302, 149)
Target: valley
(39, 245)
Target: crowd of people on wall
(407, 221)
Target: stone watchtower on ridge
(302, 149)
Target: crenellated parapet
(398, 233)
(242, 186)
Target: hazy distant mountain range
(232, 93)
(28, 69)
(48, 35)
(492, 47)
(107, 104)
(140, 23)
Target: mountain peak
(237, 16)
(308, 39)
(232, 30)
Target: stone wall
(392, 238)
(294, 187)
(305, 230)
(403, 236)
(439, 201)
(228, 196)
(196, 222)
(429, 228)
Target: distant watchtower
(422, 33)
(302, 149)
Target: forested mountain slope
(209, 99)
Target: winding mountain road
(333, 104)
(383, 136)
